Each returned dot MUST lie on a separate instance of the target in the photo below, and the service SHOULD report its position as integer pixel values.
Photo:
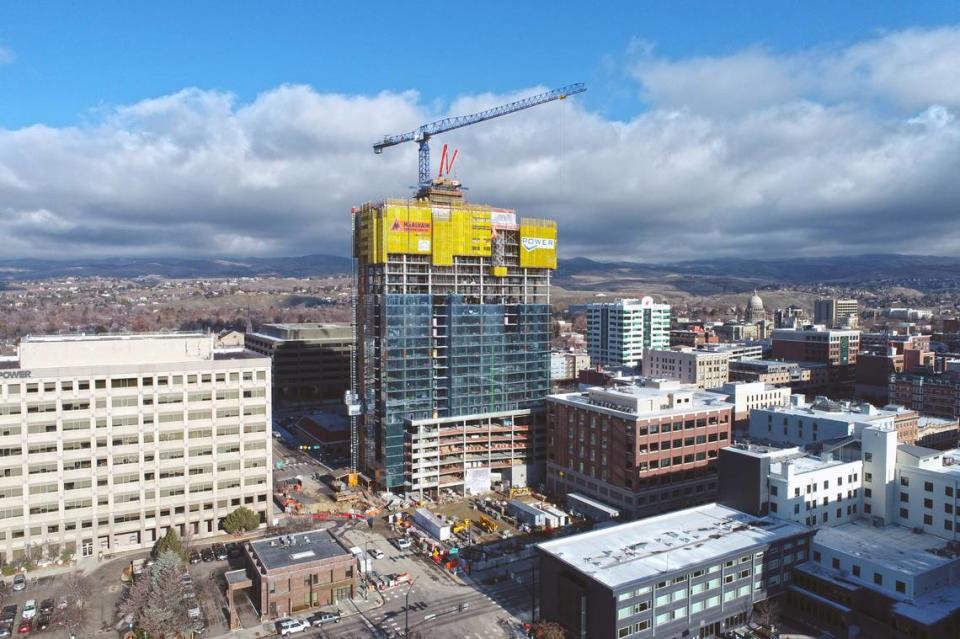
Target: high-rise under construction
(453, 342)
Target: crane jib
(422, 134)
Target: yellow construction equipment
(488, 524)
(461, 526)
(519, 490)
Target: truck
(366, 564)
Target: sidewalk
(348, 609)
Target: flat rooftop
(896, 547)
(294, 550)
(109, 337)
(643, 401)
(828, 409)
(667, 543)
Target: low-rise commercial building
(878, 581)
(705, 369)
(938, 432)
(801, 423)
(749, 396)
(311, 362)
(643, 450)
(566, 365)
(936, 394)
(697, 572)
(834, 347)
(107, 441)
(294, 573)
(791, 484)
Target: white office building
(619, 333)
(704, 369)
(801, 423)
(107, 441)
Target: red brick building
(295, 573)
(837, 348)
(642, 450)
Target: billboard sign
(503, 219)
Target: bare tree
(767, 613)
(156, 603)
(547, 630)
(75, 616)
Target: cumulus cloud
(850, 149)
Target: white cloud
(753, 154)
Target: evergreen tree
(240, 520)
(170, 542)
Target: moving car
(25, 627)
(324, 617)
(29, 609)
(290, 626)
(376, 553)
(20, 582)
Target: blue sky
(709, 129)
(71, 57)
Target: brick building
(836, 348)
(294, 573)
(645, 450)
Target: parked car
(220, 551)
(402, 543)
(46, 606)
(6, 630)
(207, 554)
(20, 582)
(29, 609)
(9, 614)
(25, 627)
(324, 617)
(195, 557)
(376, 553)
(291, 626)
(42, 622)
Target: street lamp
(406, 611)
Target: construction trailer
(527, 514)
(590, 508)
(431, 524)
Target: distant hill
(308, 265)
(712, 276)
(699, 277)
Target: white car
(290, 626)
(376, 553)
(29, 609)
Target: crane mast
(424, 132)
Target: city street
(438, 600)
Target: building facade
(936, 394)
(705, 369)
(311, 362)
(693, 573)
(110, 440)
(833, 347)
(453, 320)
(836, 313)
(642, 450)
(619, 333)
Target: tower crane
(424, 132)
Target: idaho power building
(453, 350)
